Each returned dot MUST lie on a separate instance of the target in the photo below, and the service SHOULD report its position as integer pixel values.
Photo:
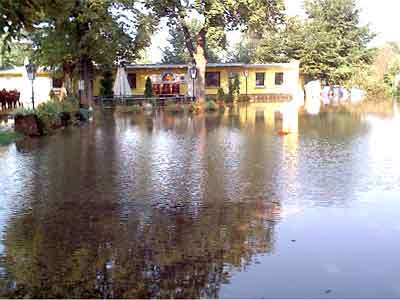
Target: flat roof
(211, 65)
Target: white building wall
(42, 86)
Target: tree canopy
(217, 17)
(177, 53)
(89, 32)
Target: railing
(131, 100)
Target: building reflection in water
(162, 207)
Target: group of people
(335, 95)
(9, 99)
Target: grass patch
(8, 137)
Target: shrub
(211, 106)
(49, 115)
(220, 94)
(21, 111)
(7, 137)
(148, 91)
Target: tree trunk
(67, 77)
(200, 58)
(86, 75)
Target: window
(278, 78)
(260, 79)
(132, 80)
(212, 79)
(57, 83)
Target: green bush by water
(8, 137)
(21, 111)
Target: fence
(155, 101)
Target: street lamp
(31, 70)
(193, 75)
(246, 75)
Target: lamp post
(246, 75)
(193, 75)
(31, 71)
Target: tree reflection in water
(81, 231)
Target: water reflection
(162, 206)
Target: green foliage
(49, 115)
(21, 111)
(8, 137)
(177, 52)
(106, 89)
(148, 90)
(330, 43)
(235, 86)
(17, 51)
(17, 18)
(335, 42)
(211, 106)
(220, 94)
(71, 39)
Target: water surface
(168, 206)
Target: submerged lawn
(8, 137)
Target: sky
(382, 16)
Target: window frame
(219, 79)
(257, 85)
(134, 82)
(283, 78)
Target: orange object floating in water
(283, 133)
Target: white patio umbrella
(121, 84)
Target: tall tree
(177, 53)
(88, 32)
(335, 42)
(17, 17)
(217, 17)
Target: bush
(220, 94)
(8, 137)
(49, 115)
(211, 106)
(21, 111)
(148, 91)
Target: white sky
(382, 15)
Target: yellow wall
(291, 79)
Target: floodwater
(168, 206)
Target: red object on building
(156, 89)
(166, 89)
(175, 89)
